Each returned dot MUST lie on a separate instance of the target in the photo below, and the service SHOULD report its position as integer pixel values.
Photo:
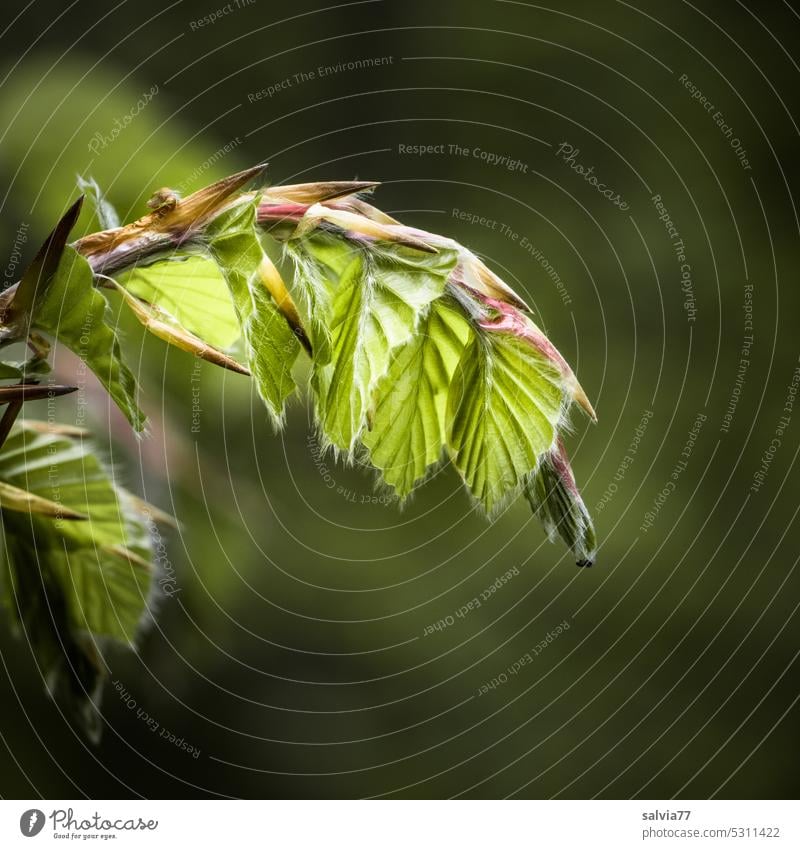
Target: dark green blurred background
(293, 654)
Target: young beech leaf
(554, 498)
(506, 399)
(72, 583)
(368, 300)
(163, 325)
(191, 288)
(271, 344)
(407, 432)
(106, 595)
(505, 404)
(74, 312)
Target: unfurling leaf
(554, 498)
(77, 578)
(366, 302)
(162, 325)
(407, 433)
(271, 344)
(190, 288)
(419, 350)
(503, 413)
(74, 312)
(450, 362)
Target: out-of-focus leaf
(68, 661)
(367, 301)
(106, 598)
(505, 404)
(271, 344)
(192, 289)
(75, 313)
(72, 584)
(407, 432)
(10, 371)
(103, 210)
(24, 501)
(34, 367)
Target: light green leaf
(24, 501)
(72, 584)
(74, 312)
(105, 590)
(192, 289)
(367, 301)
(321, 259)
(271, 345)
(505, 404)
(407, 433)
